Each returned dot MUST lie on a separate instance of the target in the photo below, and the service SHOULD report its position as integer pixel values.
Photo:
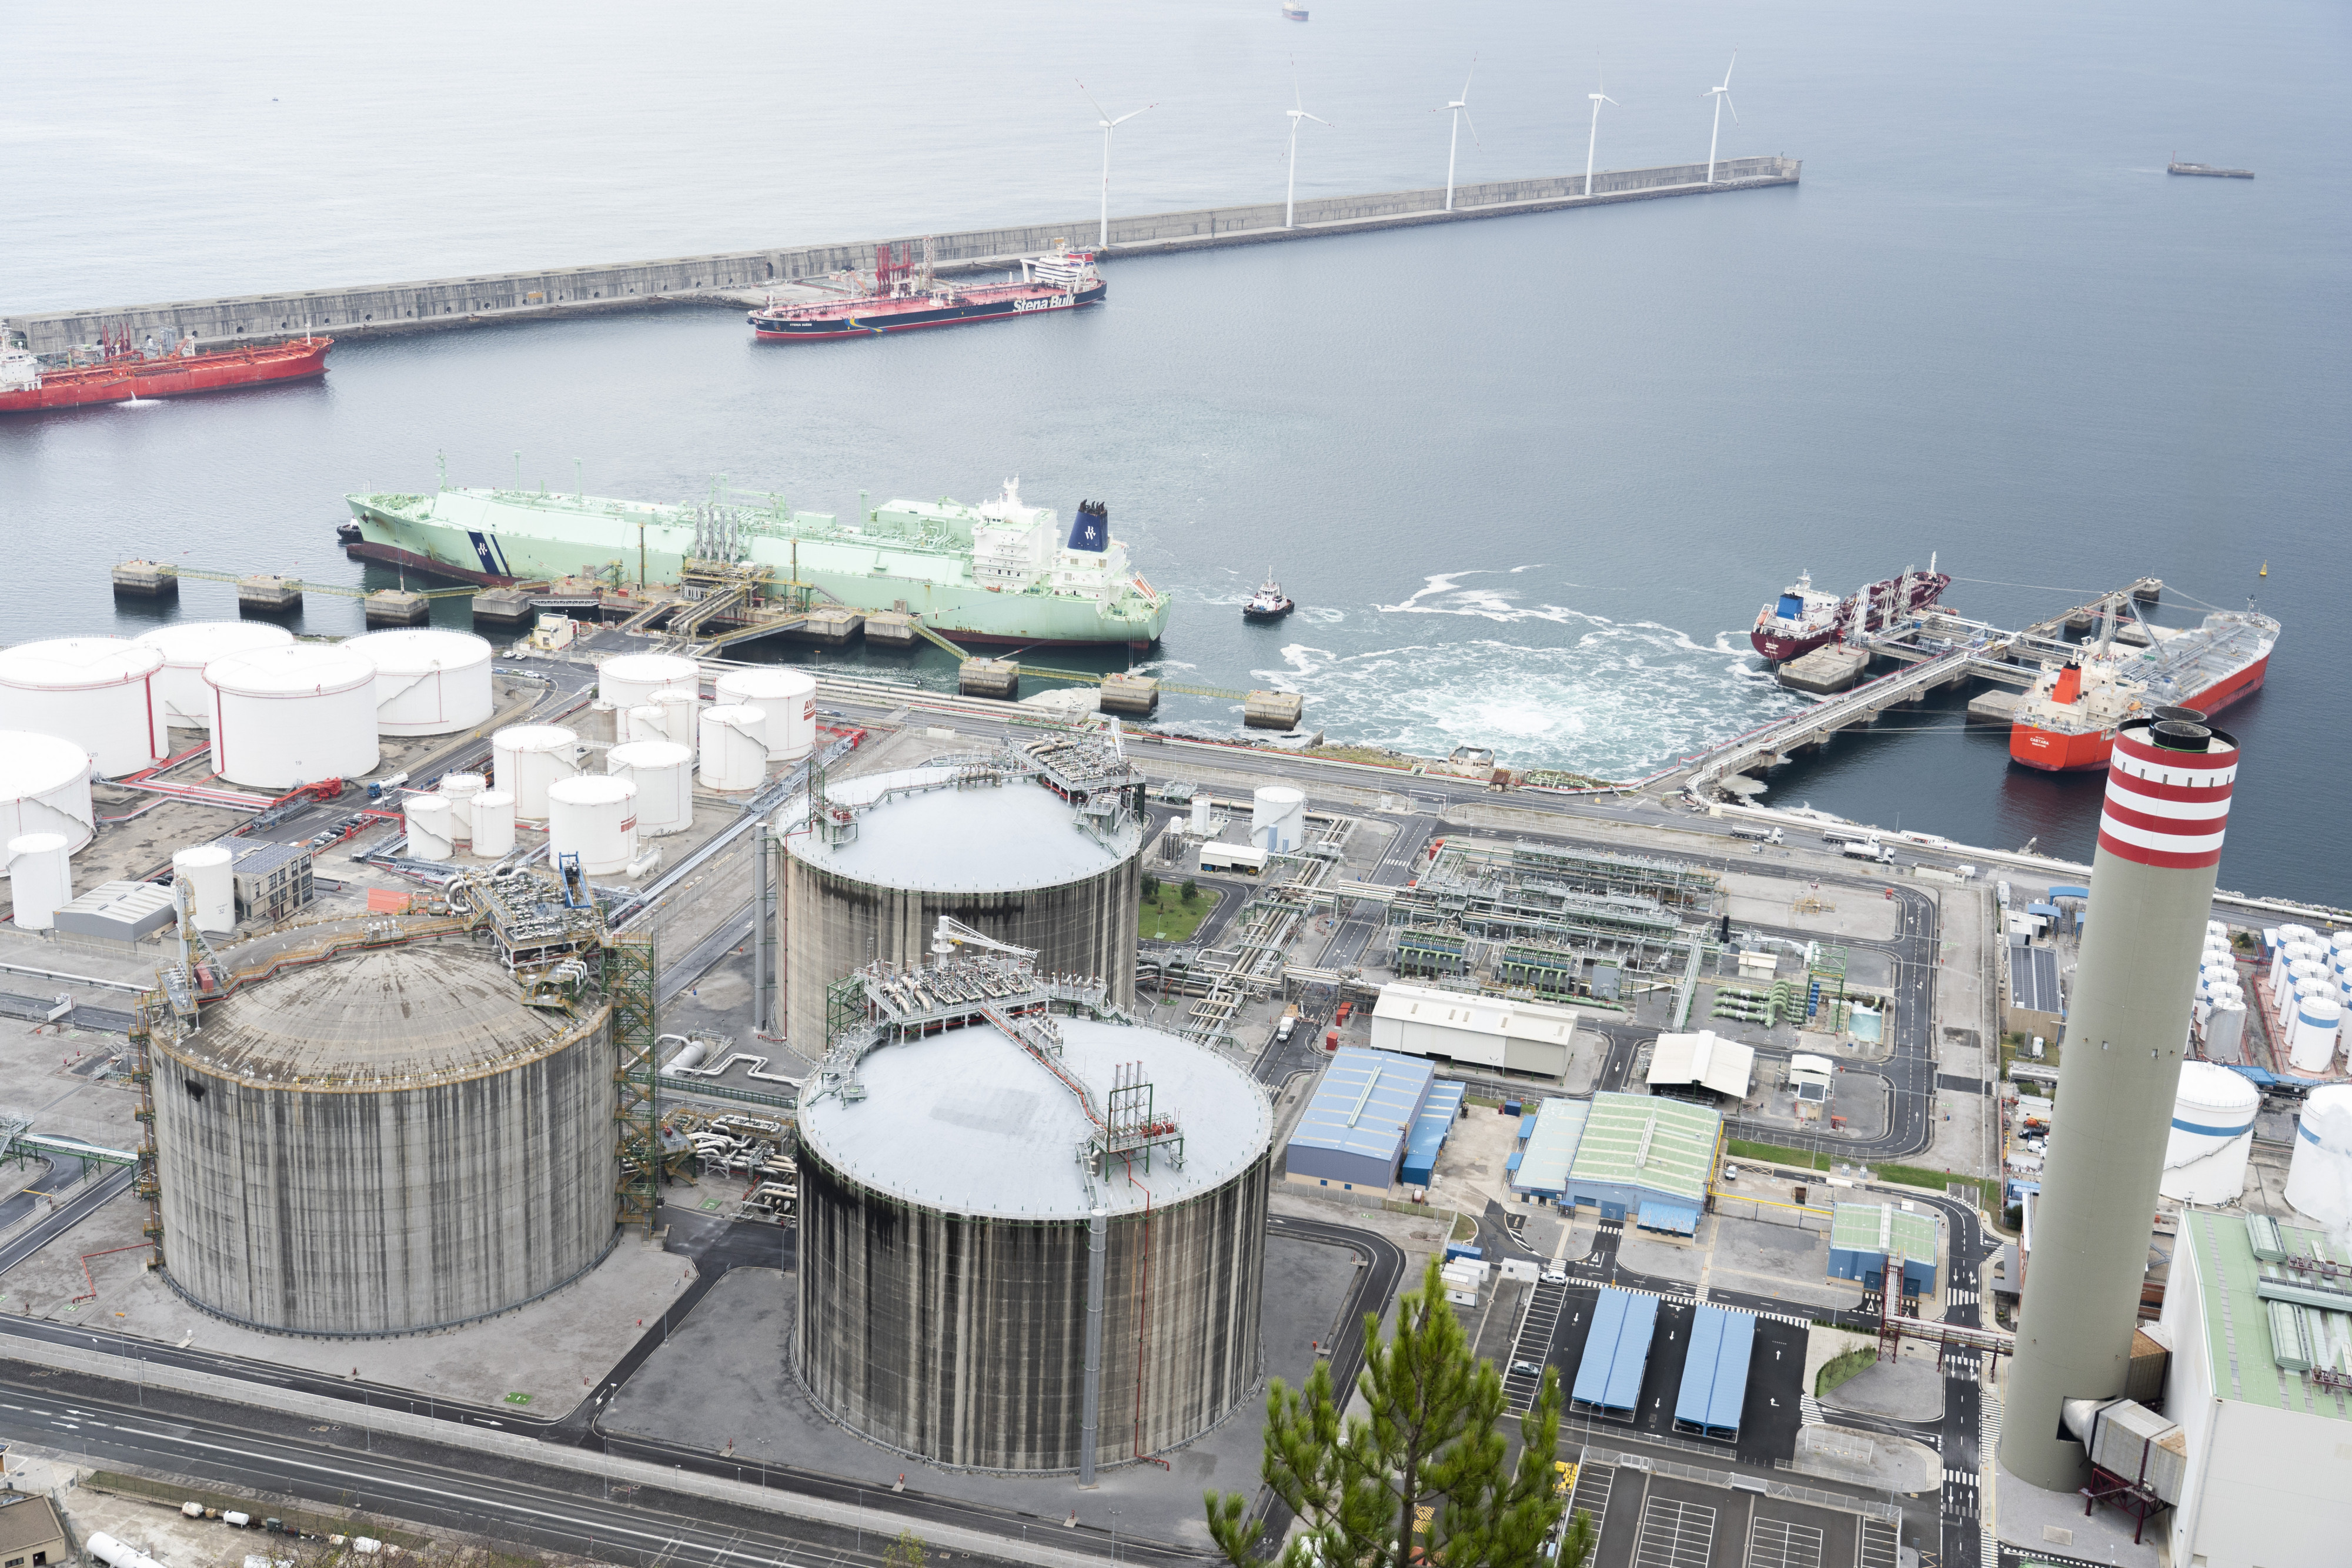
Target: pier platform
(745, 278)
(1831, 667)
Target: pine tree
(1430, 1442)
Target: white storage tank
(40, 872)
(2319, 1173)
(428, 681)
(663, 772)
(1201, 804)
(1277, 819)
(187, 646)
(596, 818)
(2318, 1020)
(734, 747)
(460, 790)
(2212, 1135)
(680, 711)
(293, 715)
(97, 692)
(432, 831)
(44, 788)
(646, 721)
(525, 758)
(211, 885)
(628, 679)
(494, 824)
(2225, 1030)
(789, 699)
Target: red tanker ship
(125, 374)
(2068, 721)
(1804, 618)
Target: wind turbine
(1722, 95)
(1594, 139)
(1460, 110)
(1102, 239)
(1290, 199)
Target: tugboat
(1269, 602)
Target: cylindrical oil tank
(460, 790)
(789, 699)
(627, 679)
(646, 721)
(2212, 1135)
(428, 680)
(663, 772)
(211, 885)
(2319, 1173)
(40, 875)
(187, 646)
(1009, 860)
(2318, 1020)
(942, 1280)
(1201, 804)
(2225, 1030)
(430, 1150)
(98, 693)
(681, 712)
(594, 817)
(494, 824)
(432, 827)
(525, 758)
(734, 747)
(44, 788)
(1277, 819)
(294, 714)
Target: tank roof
(291, 670)
(391, 1019)
(72, 664)
(1005, 838)
(32, 763)
(969, 1121)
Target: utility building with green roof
(1645, 1159)
(1869, 1242)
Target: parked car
(1555, 1276)
(1528, 1368)
(1731, 1173)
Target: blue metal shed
(1676, 1218)
(1429, 1131)
(1616, 1350)
(1715, 1373)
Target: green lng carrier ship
(1000, 572)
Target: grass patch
(1169, 916)
(1987, 1188)
(1772, 1154)
(1842, 1368)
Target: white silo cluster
(1278, 819)
(2212, 1135)
(2306, 992)
(2220, 1010)
(2319, 1173)
(463, 816)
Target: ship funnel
(2194, 715)
(1090, 530)
(2070, 685)
(2181, 735)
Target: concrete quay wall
(729, 277)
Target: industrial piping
(2168, 802)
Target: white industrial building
(1489, 1031)
(2259, 1319)
(1704, 1059)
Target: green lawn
(1170, 917)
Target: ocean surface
(1529, 479)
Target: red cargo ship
(126, 374)
(902, 295)
(2067, 722)
(1804, 618)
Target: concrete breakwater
(739, 277)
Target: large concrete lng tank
(381, 1144)
(1040, 849)
(947, 1233)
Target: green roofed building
(1869, 1242)
(1645, 1159)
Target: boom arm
(952, 933)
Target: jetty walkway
(738, 277)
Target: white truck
(1869, 850)
(1758, 835)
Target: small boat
(1294, 11)
(2208, 170)
(1269, 602)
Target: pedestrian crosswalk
(1689, 1294)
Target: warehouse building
(2259, 1315)
(1548, 1138)
(1438, 1114)
(1645, 1159)
(1355, 1132)
(2035, 1004)
(1870, 1242)
(1701, 1063)
(1488, 1031)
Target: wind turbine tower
(1297, 112)
(1722, 95)
(1594, 139)
(1102, 238)
(1460, 110)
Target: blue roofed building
(1715, 1372)
(1616, 1350)
(1428, 1135)
(1549, 1140)
(1356, 1131)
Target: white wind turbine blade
(1468, 79)
(1319, 120)
(1726, 70)
(1474, 127)
(1131, 113)
(1099, 110)
(1733, 107)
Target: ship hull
(2077, 751)
(858, 576)
(1781, 646)
(825, 328)
(1781, 649)
(123, 379)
